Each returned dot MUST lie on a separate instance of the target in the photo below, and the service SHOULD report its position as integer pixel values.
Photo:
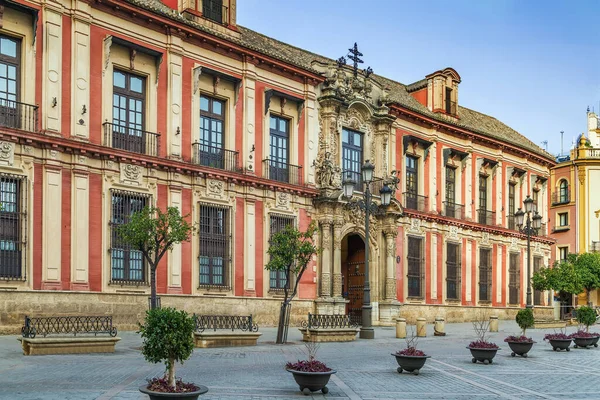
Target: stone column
(337, 258)
(390, 275)
(326, 258)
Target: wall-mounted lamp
(54, 102)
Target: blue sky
(534, 65)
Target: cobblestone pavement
(365, 370)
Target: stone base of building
(329, 334)
(225, 339)
(331, 305)
(460, 313)
(388, 312)
(69, 345)
(129, 309)
(549, 324)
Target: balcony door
(129, 98)
(211, 132)
(412, 183)
(352, 156)
(279, 149)
(9, 82)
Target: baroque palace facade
(108, 106)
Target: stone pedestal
(400, 328)
(325, 305)
(388, 312)
(494, 323)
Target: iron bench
(328, 328)
(225, 331)
(52, 335)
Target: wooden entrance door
(354, 282)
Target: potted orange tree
(168, 337)
(522, 344)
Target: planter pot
(560, 344)
(595, 342)
(520, 348)
(584, 342)
(312, 381)
(180, 396)
(483, 355)
(410, 363)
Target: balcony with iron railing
(282, 172)
(131, 139)
(511, 222)
(215, 157)
(16, 115)
(215, 11)
(413, 201)
(453, 210)
(561, 197)
(486, 217)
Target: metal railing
(67, 325)
(229, 322)
(17, 115)
(215, 157)
(413, 201)
(486, 217)
(131, 139)
(561, 198)
(282, 172)
(215, 11)
(453, 210)
(329, 321)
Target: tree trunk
(152, 288)
(172, 373)
(284, 320)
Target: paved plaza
(365, 370)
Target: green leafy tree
(290, 251)
(153, 232)
(525, 319)
(167, 337)
(586, 316)
(562, 278)
(587, 266)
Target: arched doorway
(353, 275)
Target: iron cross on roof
(354, 56)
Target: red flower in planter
(410, 351)
(482, 344)
(518, 339)
(308, 366)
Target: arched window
(563, 191)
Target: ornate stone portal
(352, 99)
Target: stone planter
(520, 348)
(180, 396)
(584, 342)
(312, 381)
(560, 344)
(483, 355)
(410, 363)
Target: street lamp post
(532, 224)
(369, 207)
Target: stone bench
(328, 328)
(35, 332)
(225, 331)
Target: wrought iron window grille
(13, 227)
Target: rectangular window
(277, 224)
(485, 275)
(511, 205)
(563, 219)
(212, 119)
(483, 206)
(449, 105)
(129, 102)
(215, 242)
(127, 264)
(12, 225)
(352, 156)
(563, 252)
(415, 267)
(514, 279)
(10, 60)
(537, 295)
(451, 207)
(535, 197)
(412, 183)
(452, 271)
(279, 152)
(213, 10)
